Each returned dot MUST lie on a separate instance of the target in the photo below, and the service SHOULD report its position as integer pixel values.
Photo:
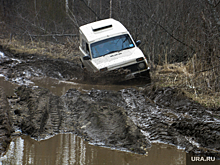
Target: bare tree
(67, 6)
(110, 12)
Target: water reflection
(68, 149)
(61, 87)
(58, 87)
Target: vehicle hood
(118, 59)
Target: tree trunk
(100, 9)
(110, 14)
(67, 6)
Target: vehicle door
(87, 63)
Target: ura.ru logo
(202, 159)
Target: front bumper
(142, 73)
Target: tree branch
(31, 23)
(53, 35)
(208, 69)
(217, 4)
(158, 24)
(91, 9)
(73, 18)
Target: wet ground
(131, 116)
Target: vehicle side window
(85, 47)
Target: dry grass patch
(68, 50)
(197, 85)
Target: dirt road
(129, 119)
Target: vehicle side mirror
(138, 42)
(86, 58)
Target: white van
(106, 45)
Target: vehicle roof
(103, 29)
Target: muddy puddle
(70, 149)
(59, 87)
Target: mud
(104, 117)
(20, 68)
(39, 113)
(129, 119)
(194, 127)
(5, 124)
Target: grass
(194, 85)
(69, 50)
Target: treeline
(170, 30)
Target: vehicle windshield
(111, 45)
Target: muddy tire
(146, 76)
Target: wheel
(82, 65)
(146, 76)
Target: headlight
(141, 65)
(103, 69)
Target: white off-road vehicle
(106, 45)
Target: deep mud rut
(130, 119)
